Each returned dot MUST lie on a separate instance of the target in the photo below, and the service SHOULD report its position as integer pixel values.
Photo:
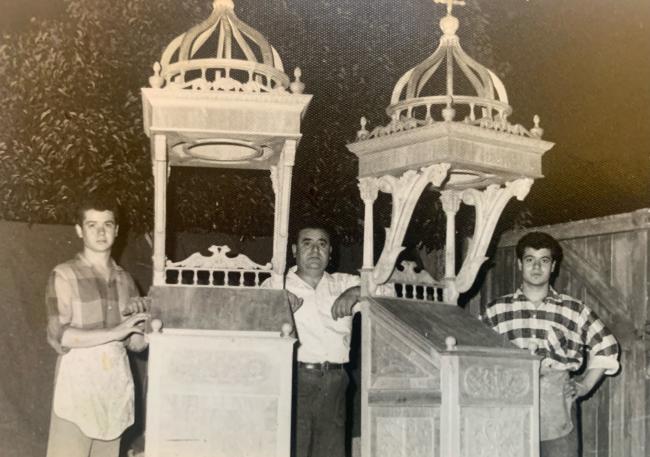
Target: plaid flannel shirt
(562, 328)
(78, 296)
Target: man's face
(536, 266)
(312, 251)
(98, 230)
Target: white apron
(94, 390)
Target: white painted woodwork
(225, 112)
(282, 189)
(217, 269)
(405, 192)
(218, 393)
(220, 373)
(450, 205)
(160, 171)
(369, 190)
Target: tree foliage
(71, 121)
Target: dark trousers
(319, 429)
(565, 446)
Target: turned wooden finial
(450, 342)
(448, 113)
(536, 131)
(156, 81)
(156, 325)
(297, 86)
(363, 132)
(286, 330)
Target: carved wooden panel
(489, 432)
(216, 393)
(405, 431)
(495, 380)
(395, 363)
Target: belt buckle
(325, 365)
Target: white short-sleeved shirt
(321, 338)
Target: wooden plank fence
(607, 265)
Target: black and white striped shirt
(562, 328)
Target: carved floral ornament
(491, 432)
(496, 383)
(368, 189)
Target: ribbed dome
(450, 79)
(449, 86)
(222, 53)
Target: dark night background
(582, 65)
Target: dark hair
(312, 225)
(539, 240)
(98, 202)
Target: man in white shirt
(323, 307)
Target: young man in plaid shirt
(94, 313)
(563, 330)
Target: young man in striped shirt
(563, 331)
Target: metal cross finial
(450, 4)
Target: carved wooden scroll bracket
(488, 205)
(405, 191)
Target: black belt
(325, 366)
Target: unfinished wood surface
(436, 322)
(221, 309)
(436, 382)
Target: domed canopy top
(451, 79)
(222, 53)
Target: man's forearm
(345, 302)
(353, 293)
(591, 378)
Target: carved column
(450, 204)
(281, 180)
(369, 189)
(160, 203)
